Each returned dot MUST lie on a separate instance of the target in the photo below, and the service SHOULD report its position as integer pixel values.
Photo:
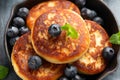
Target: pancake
(60, 49)
(92, 62)
(21, 52)
(39, 9)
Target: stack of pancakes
(85, 52)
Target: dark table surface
(5, 10)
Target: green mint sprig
(115, 38)
(3, 72)
(71, 32)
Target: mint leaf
(71, 32)
(115, 38)
(3, 72)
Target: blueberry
(23, 30)
(108, 53)
(13, 40)
(77, 77)
(70, 71)
(80, 3)
(93, 14)
(12, 31)
(99, 20)
(34, 62)
(88, 13)
(18, 21)
(23, 12)
(63, 78)
(54, 30)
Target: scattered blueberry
(18, 21)
(88, 13)
(93, 14)
(70, 71)
(23, 30)
(63, 78)
(99, 20)
(108, 53)
(23, 12)
(34, 62)
(54, 30)
(13, 40)
(80, 3)
(12, 31)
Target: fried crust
(92, 62)
(21, 52)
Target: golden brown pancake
(21, 53)
(60, 49)
(92, 61)
(39, 9)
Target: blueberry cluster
(18, 26)
(87, 13)
(70, 73)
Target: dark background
(5, 10)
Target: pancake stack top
(60, 49)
